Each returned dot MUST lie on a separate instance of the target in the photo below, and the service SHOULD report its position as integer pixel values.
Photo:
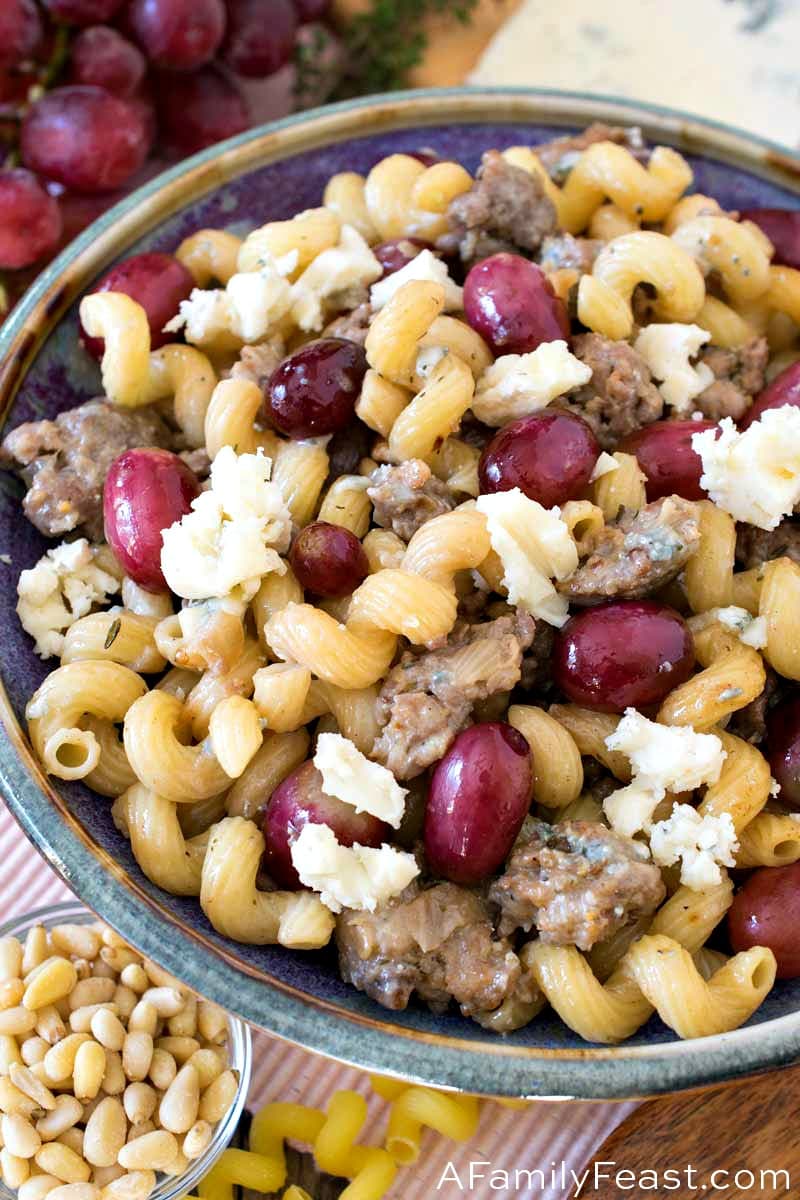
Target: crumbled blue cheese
(534, 546)
(700, 843)
(668, 351)
(351, 777)
(425, 266)
(518, 384)
(62, 587)
(248, 307)
(750, 630)
(234, 534)
(754, 475)
(335, 278)
(663, 758)
(355, 876)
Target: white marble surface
(736, 61)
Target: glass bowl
(240, 1050)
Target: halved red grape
(398, 253)
(198, 109)
(314, 390)
(300, 801)
(84, 137)
(83, 12)
(511, 303)
(766, 912)
(664, 452)
(156, 281)
(783, 750)
(629, 653)
(260, 36)
(784, 389)
(145, 492)
(479, 795)
(782, 227)
(20, 31)
(30, 219)
(179, 34)
(102, 56)
(328, 559)
(549, 455)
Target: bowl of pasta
(402, 588)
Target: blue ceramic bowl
(266, 174)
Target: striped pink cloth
(538, 1137)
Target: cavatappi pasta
(455, 626)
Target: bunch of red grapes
(98, 95)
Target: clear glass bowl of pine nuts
(84, 1144)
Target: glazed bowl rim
(372, 1042)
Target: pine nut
(103, 971)
(50, 1025)
(181, 1048)
(19, 1136)
(198, 1139)
(140, 1102)
(163, 1069)
(67, 1112)
(33, 1050)
(114, 1080)
(92, 991)
(154, 1151)
(11, 993)
(136, 1185)
(72, 1139)
(104, 1135)
(82, 968)
(89, 1069)
(184, 1023)
(81, 1019)
(57, 1159)
(54, 979)
(9, 1052)
(108, 1029)
(158, 976)
(36, 1187)
(126, 1000)
(179, 1104)
(17, 1021)
(12, 1100)
(137, 1131)
(14, 1170)
(10, 959)
(137, 1055)
(179, 1164)
(209, 1062)
(59, 1062)
(81, 941)
(118, 957)
(26, 1081)
(36, 949)
(101, 1176)
(134, 976)
(144, 1016)
(218, 1097)
(212, 1023)
(111, 937)
(167, 1001)
(76, 1191)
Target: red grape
(314, 390)
(550, 456)
(629, 653)
(85, 138)
(479, 795)
(144, 493)
(782, 227)
(260, 36)
(311, 10)
(30, 220)
(511, 303)
(664, 452)
(156, 281)
(395, 255)
(180, 34)
(300, 800)
(20, 31)
(102, 56)
(83, 12)
(766, 912)
(328, 559)
(784, 389)
(783, 750)
(200, 109)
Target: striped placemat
(543, 1136)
